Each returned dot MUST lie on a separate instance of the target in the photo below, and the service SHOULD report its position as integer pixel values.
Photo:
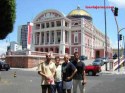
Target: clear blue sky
(26, 10)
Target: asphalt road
(29, 82)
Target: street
(29, 82)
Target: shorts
(67, 84)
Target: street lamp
(121, 29)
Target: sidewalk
(26, 69)
(121, 71)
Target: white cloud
(117, 3)
(3, 47)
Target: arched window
(76, 37)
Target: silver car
(105, 60)
(98, 61)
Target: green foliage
(7, 17)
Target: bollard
(14, 74)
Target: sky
(27, 10)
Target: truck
(92, 70)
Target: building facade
(52, 31)
(14, 46)
(24, 35)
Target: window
(66, 24)
(76, 24)
(37, 38)
(37, 26)
(47, 37)
(76, 37)
(42, 34)
(52, 36)
(42, 25)
(58, 23)
(58, 36)
(47, 25)
(52, 24)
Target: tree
(7, 17)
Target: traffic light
(120, 37)
(116, 11)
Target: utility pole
(105, 32)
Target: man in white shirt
(58, 75)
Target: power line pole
(105, 32)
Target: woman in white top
(58, 75)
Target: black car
(4, 65)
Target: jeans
(50, 89)
(78, 83)
(58, 87)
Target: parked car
(92, 70)
(98, 61)
(4, 65)
(105, 60)
(83, 57)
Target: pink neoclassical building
(53, 31)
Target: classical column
(33, 41)
(55, 36)
(49, 37)
(45, 25)
(55, 23)
(44, 37)
(62, 43)
(63, 31)
(40, 26)
(70, 39)
(40, 38)
(82, 38)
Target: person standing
(68, 71)
(47, 71)
(58, 75)
(79, 78)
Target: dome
(79, 13)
